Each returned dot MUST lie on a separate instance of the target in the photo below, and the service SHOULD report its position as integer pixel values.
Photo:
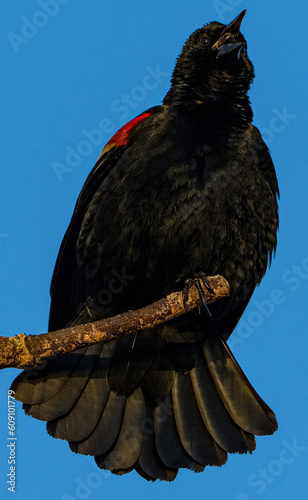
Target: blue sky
(69, 67)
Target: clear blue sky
(69, 67)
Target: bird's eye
(204, 40)
(244, 50)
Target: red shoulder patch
(120, 138)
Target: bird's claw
(196, 280)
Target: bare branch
(27, 351)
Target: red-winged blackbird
(185, 188)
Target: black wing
(65, 293)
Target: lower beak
(228, 48)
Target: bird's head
(213, 65)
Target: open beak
(228, 40)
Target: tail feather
(69, 393)
(241, 400)
(168, 443)
(143, 474)
(105, 434)
(158, 380)
(219, 423)
(44, 382)
(194, 435)
(78, 423)
(131, 360)
(126, 450)
(150, 465)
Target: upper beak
(235, 25)
(228, 40)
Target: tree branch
(27, 351)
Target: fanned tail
(186, 419)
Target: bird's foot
(196, 280)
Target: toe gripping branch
(196, 280)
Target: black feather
(194, 435)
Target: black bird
(186, 189)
